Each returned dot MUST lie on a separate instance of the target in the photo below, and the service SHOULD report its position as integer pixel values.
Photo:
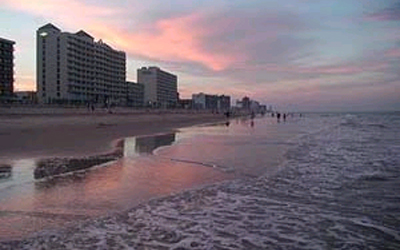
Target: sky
(296, 55)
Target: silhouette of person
(284, 117)
(252, 115)
(278, 116)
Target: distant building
(185, 103)
(135, 94)
(6, 70)
(254, 106)
(243, 104)
(74, 68)
(263, 108)
(247, 105)
(224, 103)
(211, 102)
(204, 101)
(25, 97)
(160, 87)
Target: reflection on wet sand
(199, 157)
(146, 144)
(60, 200)
(5, 171)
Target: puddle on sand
(134, 146)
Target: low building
(135, 94)
(25, 97)
(211, 102)
(224, 103)
(185, 103)
(244, 103)
(248, 105)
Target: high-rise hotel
(74, 68)
(6, 69)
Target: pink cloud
(68, 11)
(393, 52)
(174, 39)
(345, 69)
(386, 15)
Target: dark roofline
(6, 40)
(50, 25)
(84, 33)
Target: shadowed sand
(82, 133)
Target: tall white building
(160, 87)
(74, 68)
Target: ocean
(321, 181)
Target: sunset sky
(306, 55)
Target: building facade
(74, 68)
(135, 95)
(160, 87)
(185, 103)
(6, 69)
(211, 102)
(224, 103)
(244, 104)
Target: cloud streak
(391, 13)
(175, 39)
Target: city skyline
(296, 55)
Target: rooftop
(6, 40)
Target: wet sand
(34, 206)
(82, 133)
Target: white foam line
(205, 164)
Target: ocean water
(333, 183)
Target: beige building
(74, 68)
(160, 87)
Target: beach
(33, 133)
(244, 185)
(30, 135)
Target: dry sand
(35, 134)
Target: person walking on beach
(278, 116)
(284, 117)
